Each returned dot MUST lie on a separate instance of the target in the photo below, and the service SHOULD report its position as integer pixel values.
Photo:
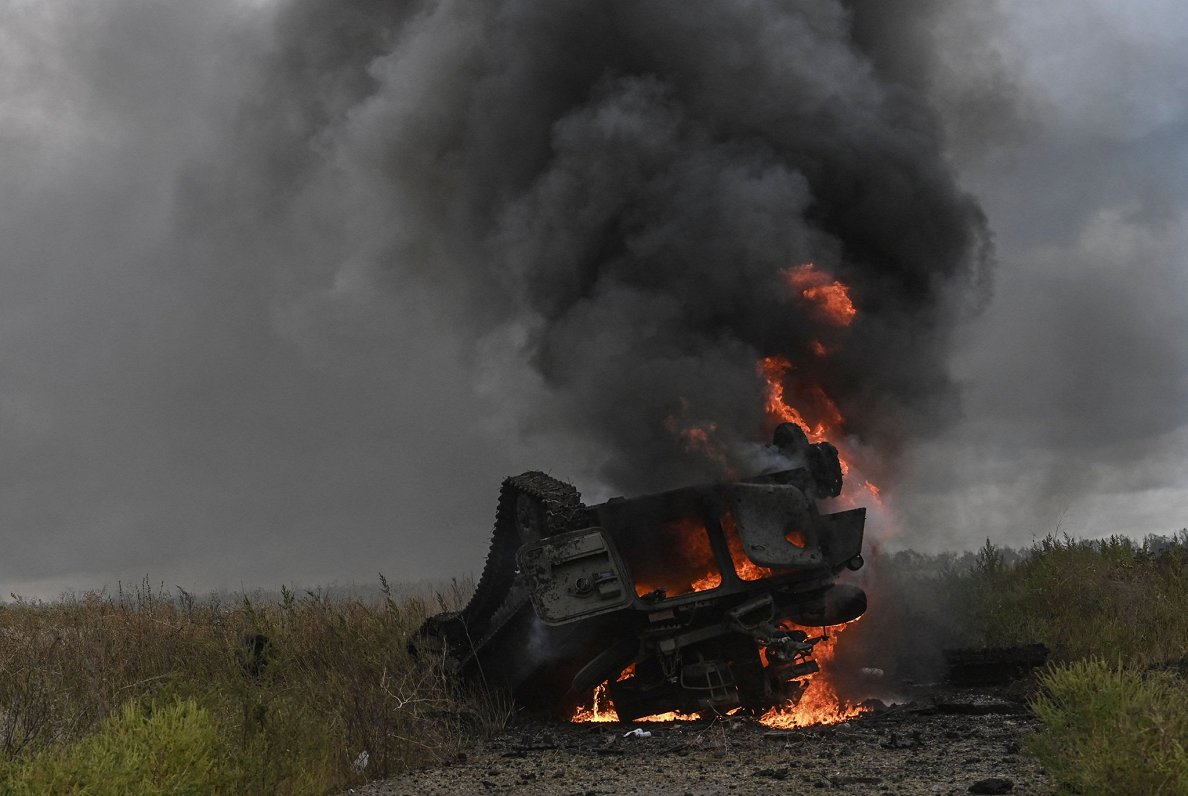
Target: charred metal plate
(835, 605)
(841, 536)
(778, 525)
(573, 576)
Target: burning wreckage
(694, 601)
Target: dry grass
(333, 680)
(1114, 719)
(1114, 599)
(1108, 728)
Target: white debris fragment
(637, 733)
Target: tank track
(497, 597)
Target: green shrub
(335, 679)
(1109, 729)
(1111, 598)
(144, 749)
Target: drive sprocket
(531, 506)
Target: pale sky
(207, 378)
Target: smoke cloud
(1075, 379)
(614, 188)
(287, 287)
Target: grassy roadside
(1109, 728)
(1114, 612)
(1113, 599)
(146, 692)
(1114, 703)
(149, 692)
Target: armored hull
(698, 600)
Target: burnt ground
(944, 742)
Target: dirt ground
(950, 743)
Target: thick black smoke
(287, 286)
(613, 188)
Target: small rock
(896, 741)
(992, 785)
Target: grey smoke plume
(257, 257)
(614, 188)
(287, 286)
(1076, 378)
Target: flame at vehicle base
(789, 397)
(819, 703)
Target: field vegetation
(143, 691)
(1113, 599)
(1114, 612)
(149, 691)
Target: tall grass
(1109, 729)
(308, 694)
(311, 693)
(1115, 599)
(175, 749)
(1113, 718)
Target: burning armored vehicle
(692, 601)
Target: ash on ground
(946, 741)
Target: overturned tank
(696, 600)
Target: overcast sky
(202, 378)
(1076, 375)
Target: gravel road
(946, 744)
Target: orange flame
(819, 703)
(773, 369)
(745, 567)
(829, 420)
(700, 439)
(691, 568)
(600, 708)
(606, 712)
(831, 297)
(874, 491)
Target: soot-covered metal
(695, 600)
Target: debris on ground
(934, 752)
